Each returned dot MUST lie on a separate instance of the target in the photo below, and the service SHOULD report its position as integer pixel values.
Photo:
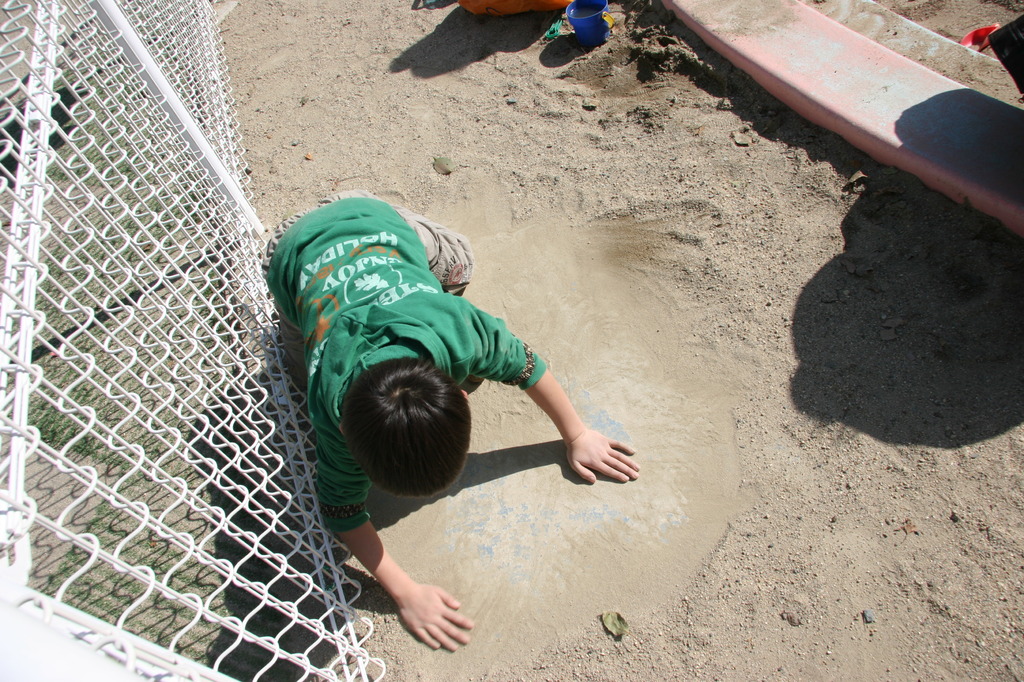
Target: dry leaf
(614, 623)
(443, 165)
(908, 527)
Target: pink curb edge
(958, 141)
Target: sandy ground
(955, 18)
(823, 379)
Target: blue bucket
(590, 20)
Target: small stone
(296, 143)
(511, 100)
(954, 517)
(868, 615)
(791, 618)
(742, 139)
(589, 104)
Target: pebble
(742, 139)
(868, 615)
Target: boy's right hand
(431, 614)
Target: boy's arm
(586, 449)
(429, 612)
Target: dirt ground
(823, 378)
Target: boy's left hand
(592, 451)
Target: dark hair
(407, 425)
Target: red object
(978, 38)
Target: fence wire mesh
(157, 473)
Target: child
(1008, 45)
(364, 292)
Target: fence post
(18, 289)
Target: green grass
(106, 295)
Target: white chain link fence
(156, 494)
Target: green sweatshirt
(353, 276)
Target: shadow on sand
(912, 335)
(463, 38)
(387, 509)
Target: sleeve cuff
(344, 518)
(534, 370)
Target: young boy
(365, 291)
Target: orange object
(500, 8)
(978, 38)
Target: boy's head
(407, 425)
